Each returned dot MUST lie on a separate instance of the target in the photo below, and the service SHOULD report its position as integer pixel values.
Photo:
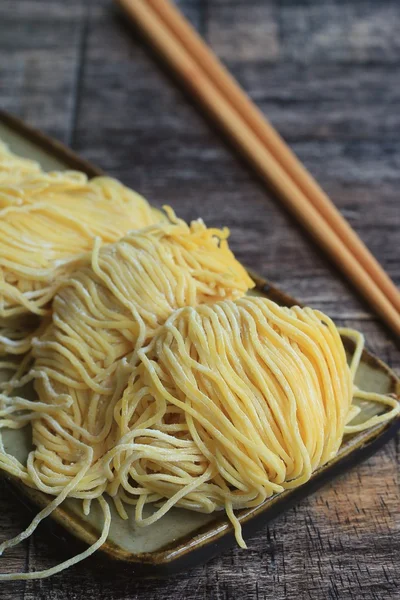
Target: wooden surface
(326, 72)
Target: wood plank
(41, 41)
(243, 35)
(339, 31)
(326, 101)
(13, 519)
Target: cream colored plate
(183, 538)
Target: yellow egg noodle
(159, 383)
(47, 221)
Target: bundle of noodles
(226, 405)
(112, 305)
(47, 222)
(229, 404)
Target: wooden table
(327, 73)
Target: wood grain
(327, 74)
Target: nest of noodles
(48, 221)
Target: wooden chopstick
(256, 151)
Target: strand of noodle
(237, 528)
(50, 507)
(185, 491)
(71, 561)
(359, 340)
(377, 419)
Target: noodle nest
(47, 222)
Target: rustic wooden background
(327, 73)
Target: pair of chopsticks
(212, 85)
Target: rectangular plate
(182, 539)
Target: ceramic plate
(182, 539)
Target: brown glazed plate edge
(216, 537)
